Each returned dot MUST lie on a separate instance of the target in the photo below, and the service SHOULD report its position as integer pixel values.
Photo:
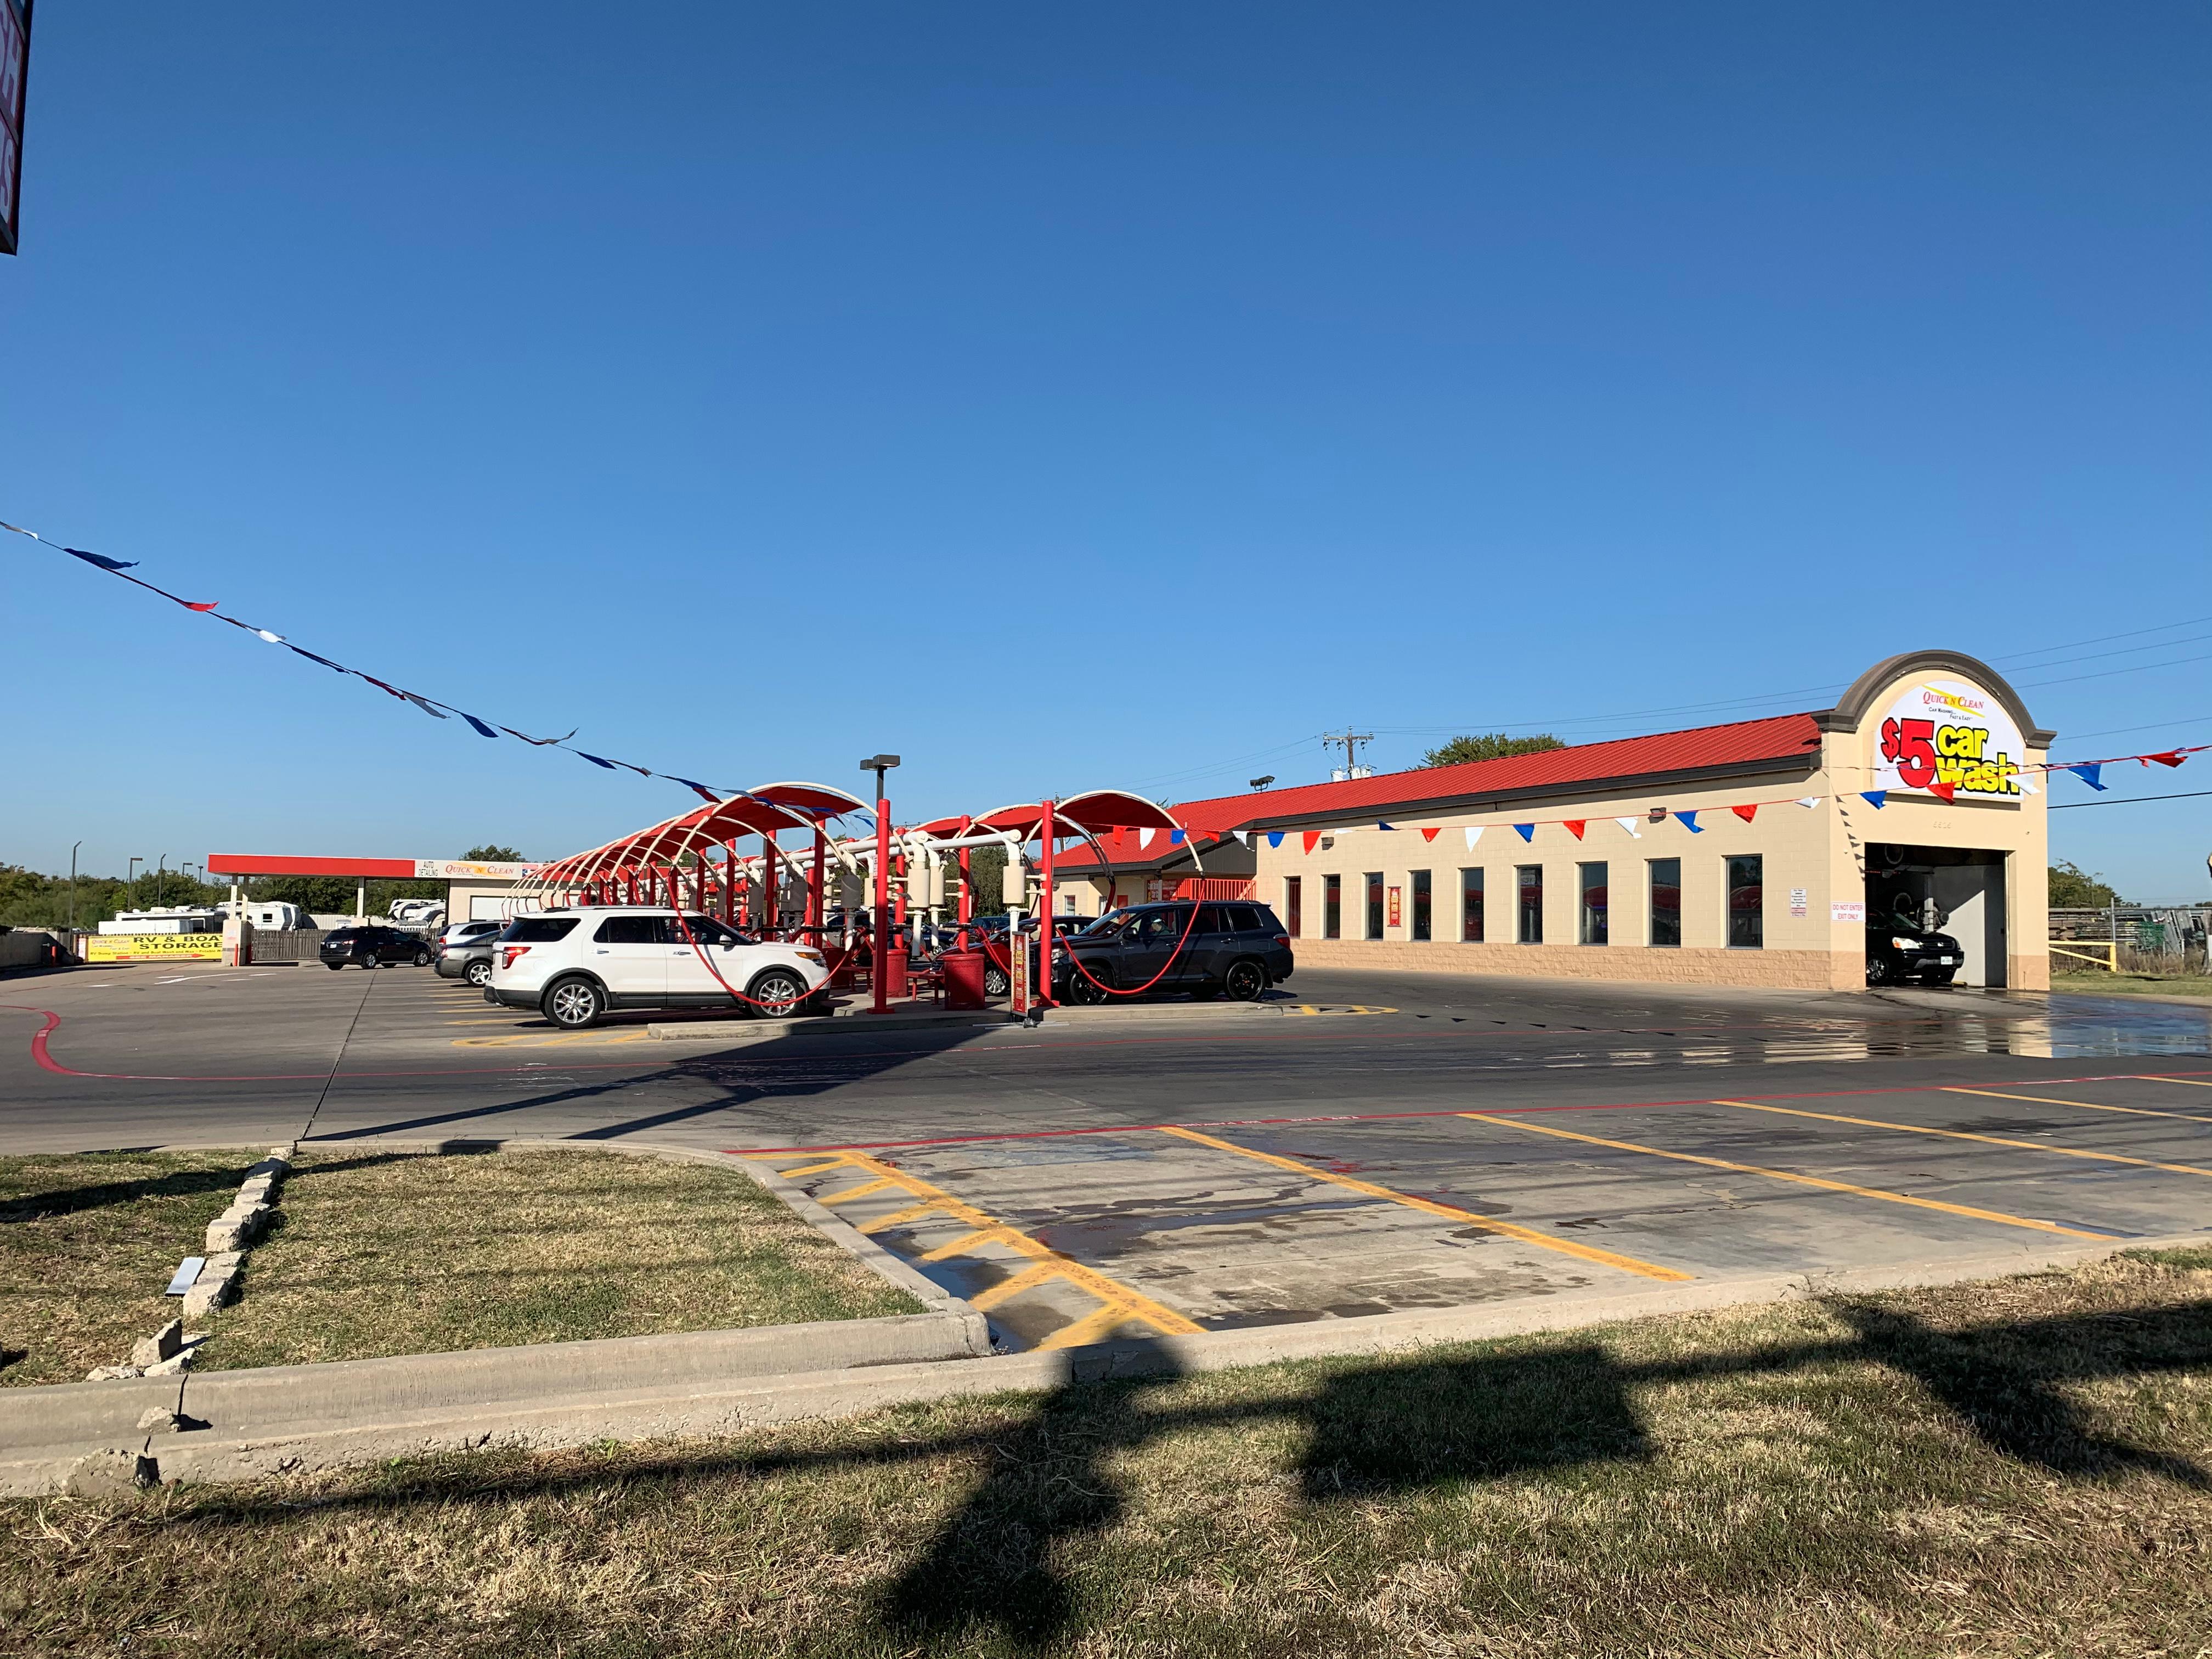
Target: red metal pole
(880, 944)
(967, 898)
(771, 883)
(729, 882)
(1044, 909)
(815, 907)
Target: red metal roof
(270, 864)
(1553, 771)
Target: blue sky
(1061, 397)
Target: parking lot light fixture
(881, 945)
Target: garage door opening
(1958, 890)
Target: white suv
(575, 965)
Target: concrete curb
(859, 1024)
(409, 1423)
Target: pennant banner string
(430, 706)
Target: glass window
(628, 930)
(1374, 879)
(1420, 883)
(1666, 902)
(1242, 918)
(1745, 914)
(1593, 925)
(1294, 897)
(1332, 907)
(1532, 903)
(1211, 919)
(1470, 905)
(706, 930)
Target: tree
(490, 854)
(1489, 745)
(2073, 888)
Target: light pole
(161, 879)
(130, 879)
(880, 764)
(72, 902)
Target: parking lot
(1414, 1142)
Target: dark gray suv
(1231, 949)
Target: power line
(2130, 800)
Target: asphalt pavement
(1392, 1140)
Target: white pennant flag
(1473, 836)
(1629, 824)
(2027, 783)
(1244, 836)
(1145, 838)
(1810, 800)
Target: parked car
(1898, 950)
(461, 932)
(1234, 950)
(576, 966)
(372, 947)
(470, 959)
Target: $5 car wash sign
(1948, 732)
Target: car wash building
(1758, 853)
(475, 890)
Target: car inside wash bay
(1771, 852)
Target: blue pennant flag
(1274, 838)
(1874, 798)
(482, 731)
(1690, 820)
(104, 562)
(327, 663)
(1174, 838)
(1386, 826)
(699, 790)
(2089, 771)
(1526, 831)
(596, 760)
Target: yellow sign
(154, 947)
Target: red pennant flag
(2171, 757)
(190, 606)
(1575, 826)
(1313, 839)
(1943, 791)
(1431, 835)
(1746, 813)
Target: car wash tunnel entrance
(811, 878)
(1959, 890)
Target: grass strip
(2015, 1468)
(380, 1252)
(87, 1243)
(2099, 984)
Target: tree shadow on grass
(182, 1183)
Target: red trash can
(963, 978)
(894, 970)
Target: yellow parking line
(1122, 1304)
(2186, 1082)
(1449, 1212)
(1347, 1008)
(2091, 1105)
(1960, 1134)
(861, 1191)
(1785, 1175)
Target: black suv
(1235, 949)
(1898, 949)
(372, 947)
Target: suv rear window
(537, 930)
(1243, 919)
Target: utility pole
(72, 905)
(1351, 740)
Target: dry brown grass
(87, 1243)
(395, 1253)
(2015, 1469)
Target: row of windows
(1746, 913)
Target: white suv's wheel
(574, 1003)
(782, 988)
